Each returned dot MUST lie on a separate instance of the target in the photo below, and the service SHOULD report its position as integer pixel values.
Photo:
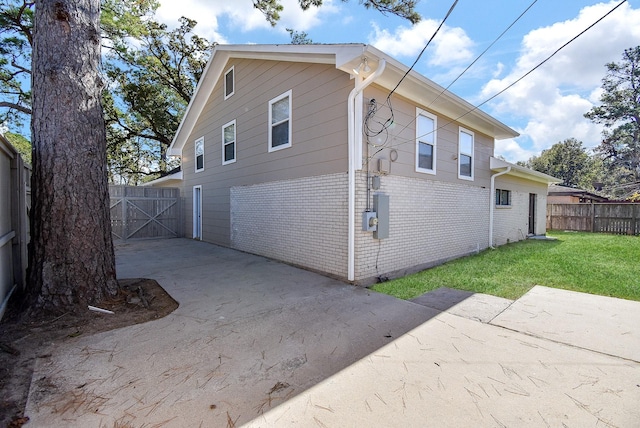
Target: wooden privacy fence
(15, 203)
(145, 212)
(620, 219)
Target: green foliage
(402, 8)
(587, 262)
(120, 19)
(151, 74)
(16, 23)
(569, 161)
(619, 112)
(299, 37)
(150, 87)
(22, 145)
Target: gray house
(316, 156)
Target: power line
(424, 48)
(516, 81)
(483, 52)
(390, 120)
(545, 60)
(475, 60)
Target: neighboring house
(298, 152)
(568, 195)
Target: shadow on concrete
(249, 334)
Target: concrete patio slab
(261, 343)
(249, 333)
(455, 372)
(602, 324)
(475, 306)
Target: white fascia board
(176, 176)
(428, 94)
(498, 165)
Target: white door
(197, 212)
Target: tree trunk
(72, 261)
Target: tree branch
(14, 106)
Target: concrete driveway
(260, 343)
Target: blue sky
(545, 107)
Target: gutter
(492, 203)
(355, 141)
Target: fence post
(593, 217)
(125, 223)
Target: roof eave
(345, 57)
(499, 165)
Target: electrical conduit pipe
(355, 163)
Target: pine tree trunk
(72, 261)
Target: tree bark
(72, 262)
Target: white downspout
(355, 164)
(492, 202)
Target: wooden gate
(145, 212)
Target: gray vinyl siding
(402, 138)
(319, 135)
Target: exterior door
(197, 212)
(532, 213)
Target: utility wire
(425, 47)
(474, 61)
(390, 120)
(519, 79)
(544, 61)
(483, 52)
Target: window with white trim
(503, 197)
(465, 154)
(199, 154)
(426, 125)
(229, 143)
(280, 122)
(229, 83)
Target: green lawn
(589, 262)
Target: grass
(588, 262)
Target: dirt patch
(22, 342)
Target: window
(199, 154)
(503, 197)
(229, 83)
(280, 122)
(229, 143)
(465, 154)
(426, 125)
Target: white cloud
(498, 70)
(241, 15)
(554, 98)
(512, 151)
(204, 12)
(451, 46)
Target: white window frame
(195, 151)
(510, 197)
(471, 154)
(225, 143)
(271, 125)
(233, 82)
(433, 143)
